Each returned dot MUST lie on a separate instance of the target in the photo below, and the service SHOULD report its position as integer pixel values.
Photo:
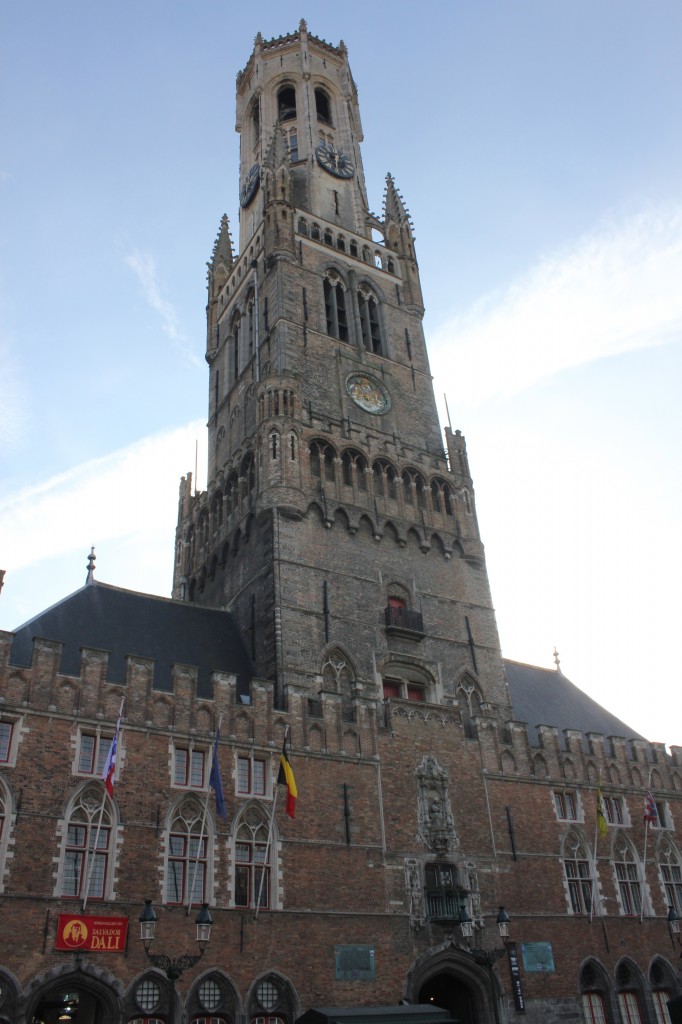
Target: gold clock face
(368, 393)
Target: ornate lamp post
(174, 968)
(486, 957)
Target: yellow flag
(602, 825)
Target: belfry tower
(335, 526)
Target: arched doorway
(75, 998)
(450, 979)
(451, 994)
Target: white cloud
(614, 290)
(129, 493)
(144, 267)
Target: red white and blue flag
(110, 766)
(650, 812)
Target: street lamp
(486, 957)
(174, 968)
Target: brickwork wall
(342, 861)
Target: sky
(538, 147)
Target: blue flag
(215, 782)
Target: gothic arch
(338, 671)
(280, 993)
(102, 990)
(450, 978)
(225, 1000)
(539, 767)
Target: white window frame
(563, 796)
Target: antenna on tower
(445, 399)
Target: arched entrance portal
(450, 993)
(67, 1003)
(77, 997)
(450, 978)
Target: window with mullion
(661, 997)
(252, 875)
(579, 885)
(629, 1007)
(188, 767)
(594, 1008)
(81, 858)
(672, 881)
(5, 740)
(186, 867)
(565, 805)
(92, 753)
(629, 887)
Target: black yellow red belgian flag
(286, 778)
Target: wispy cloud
(614, 290)
(12, 399)
(124, 494)
(144, 267)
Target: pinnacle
(222, 249)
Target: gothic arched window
(578, 871)
(594, 993)
(187, 853)
(385, 478)
(322, 457)
(323, 107)
(353, 466)
(670, 869)
(369, 323)
(86, 845)
(252, 875)
(286, 103)
(628, 875)
(335, 309)
(234, 348)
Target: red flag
(650, 812)
(110, 766)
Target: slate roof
(126, 622)
(542, 696)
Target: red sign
(97, 934)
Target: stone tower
(335, 525)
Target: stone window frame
(568, 806)
(12, 727)
(102, 737)
(251, 828)
(251, 759)
(191, 810)
(83, 810)
(580, 885)
(191, 748)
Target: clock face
(250, 186)
(334, 161)
(368, 393)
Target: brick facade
(341, 538)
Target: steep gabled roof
(542, 696)
(126, 622)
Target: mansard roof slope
(542, 696)
(127, 622)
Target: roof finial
(557, 662)
(90, 578)
(2, 577)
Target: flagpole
(201, 836)
(90, 858)
(267, 850)
(596, 840)
(646, 836)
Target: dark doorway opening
(68, 1003)
(450, 994)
